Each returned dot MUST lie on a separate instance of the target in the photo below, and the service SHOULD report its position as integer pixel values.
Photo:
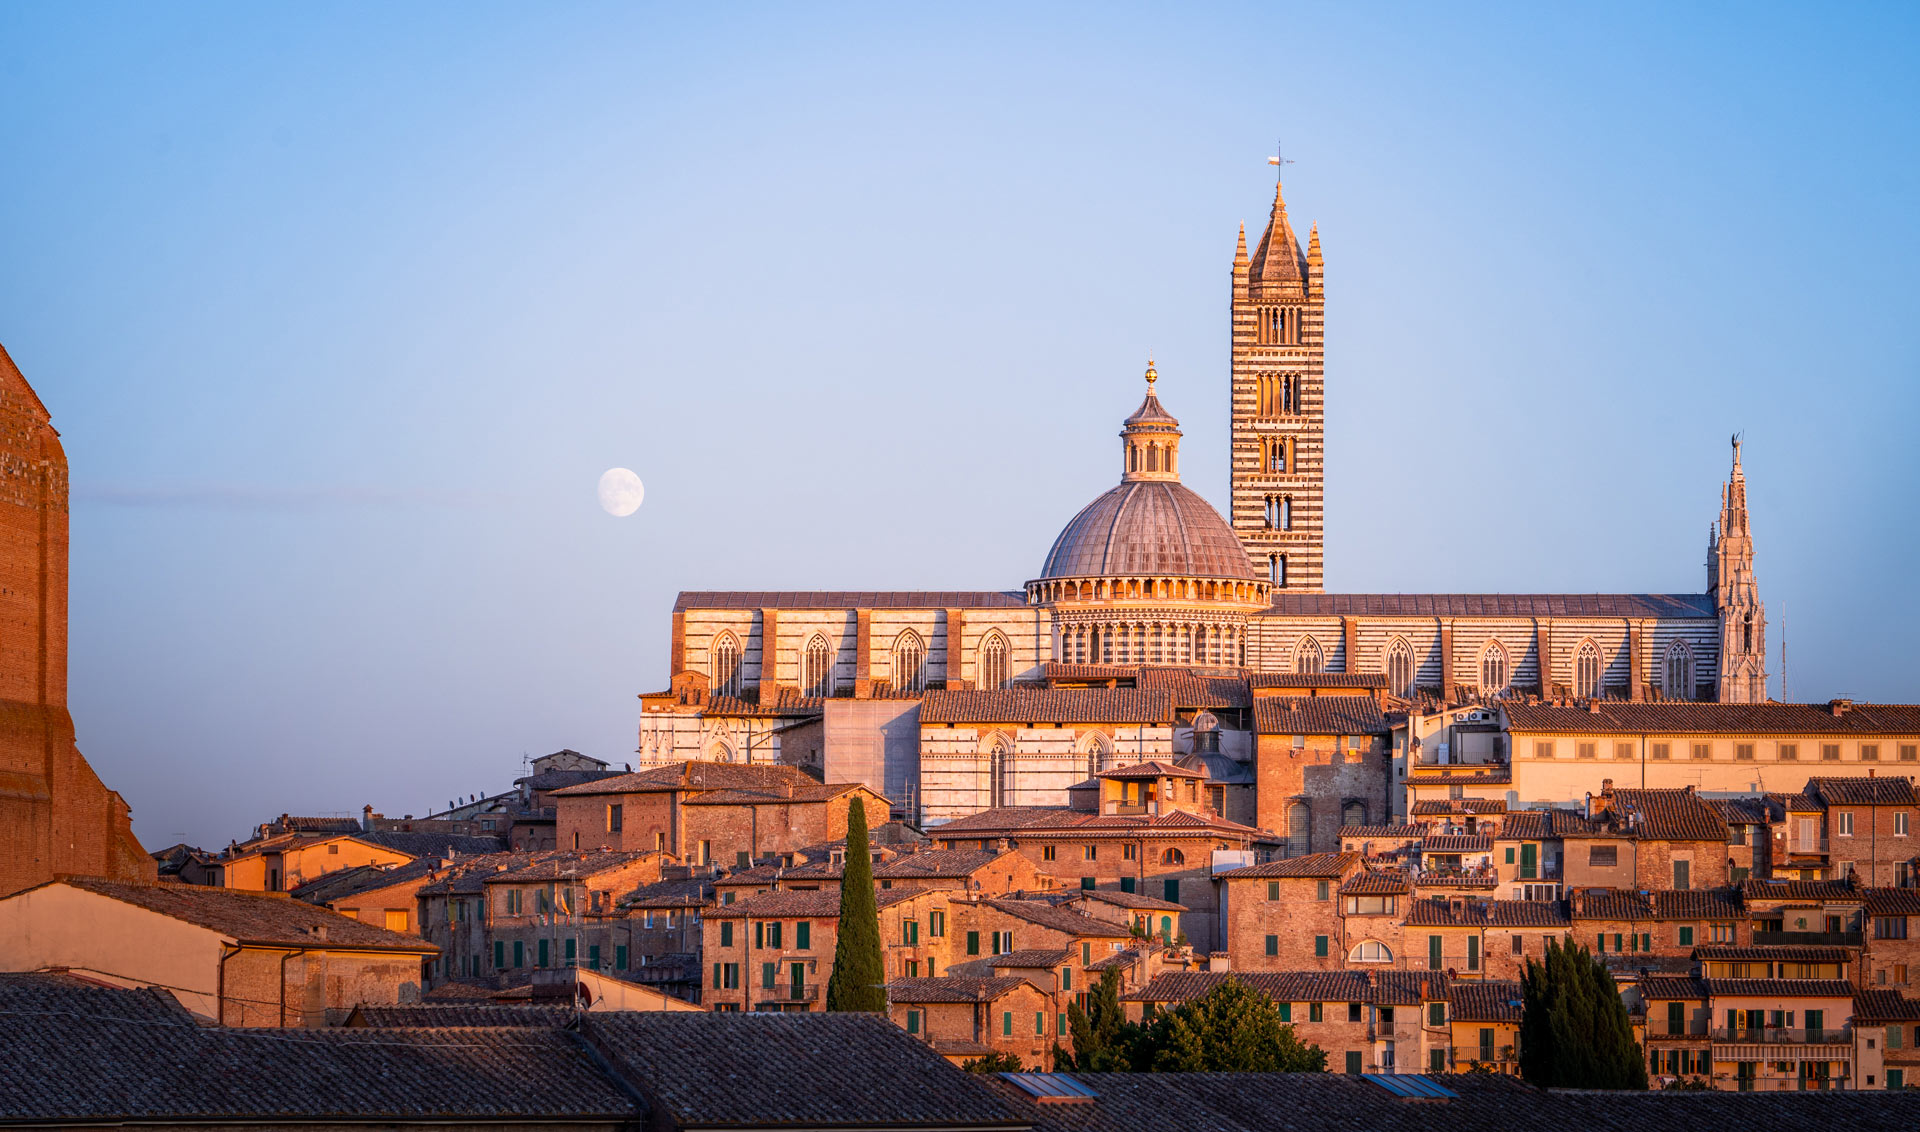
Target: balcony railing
(789, 992)
(1807, 845)
(1809, 939)
(1781, 1036)
(1661, 1029)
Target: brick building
(56, 816)
(963, 1017)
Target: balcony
(788, 992)
(1807, 847)
(1807, 939)
(1693, 1029)
(1781, 1036)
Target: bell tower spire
(1736, 595)
(1278, 306)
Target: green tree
(993, 1063)
(1100, 1032)
(858, 970)
(1574, 1030)
(1230, 1029)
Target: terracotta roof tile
(1616, 716)
(937, 864)
(1876, 791)
(1060, 919)
(1457, 843)
(1127, 899)
(1892, 901)
(1754, 888)
(1884, 1006)
(1205, 689)
(1317, 865)
(1152, 768)
(1318, 715)
(1672, 987)
(440, 1015)
(1490, 1001)
(1376, 884)
(1029, 959)
(1494, 605)
(695, 775)
(1412, 831)
(797, 904)
(1434, 807)
(1783, 988)
(251, 917)
(1044, 705)
(1785, 953)
(953, 988)
(1671, 815)
(568, 865)
(1696, 904)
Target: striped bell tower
(1279, 408)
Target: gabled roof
(1152, 768)
(1203, 689)
(938, 864)
(1318, 715)
(1892, 901)
(1755, 888)
(1126, 899)
(1029, 959)
(1664, 606)
(1410, 831)
(1047, 705)
(1884, 1006)
(670, 894)
(1457, 843)
(441, 1015)
(1486, 913)
(786, 904)
(1376, 884)
(1696, 904)
(1671, 815)
(784, 795)
(568, 865)
(343, 883)
(695, 775)
(1384, 988)
(1060, 919)
(849, 599)
(1318, 680)
(251, 918)
(1681, 987)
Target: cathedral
(1150, 574)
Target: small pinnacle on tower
(1313, 246)
(1240, 252)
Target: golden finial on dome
(1151, 375)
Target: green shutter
(1273, 890)
(716, 976)
(726, 933)
(1273, 945)
(1286, 1012)
(1433, 953)
(1006, 1024)
(1066, 978)
(1126, 884)
(1473, 953)
(1686, 937)
(803, 936)
(973, 943)
(1086, 884)
(499, 953)
(1320, 946)
(768, 975)
(593, 957)
(1171, 886)
(619, 956)
(913, 1021)
(543, 954)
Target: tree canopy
(858, 970)
(1231, 1029)
(1574, 1030)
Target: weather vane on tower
(1279, 159)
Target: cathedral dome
(1151, 528)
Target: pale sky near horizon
(342, 310)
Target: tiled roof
(1152, 768)
(1754, 888)
(1783, 988)
(1672, 987)
(1058, 821)
(1616, 716)
(1047, 705)
(251, 917)
(1198, 688)
(1486, 913)
(1386, 988)
(1466, 774)
(568, 865)
(1000, 819)
(1059, 670)
(1876, 791)
(1796, 804)
(1892, 901)
(764, 1070)
(443, 1015)
(1742, 811)
(849, 599)
(1318, 680)
(342, 883)
(1318, 715)
(1611, 904)
(937, 864)
(1672, 815)
(1411, 831)
(434, 844)
(1060, 919)
(1127, 899)
(1884, 1006)
(1317, 865)
(1437, 806)
(953, 988)
(1491, 1001)
(81, 1054)
(1029, 959)
(787, 702)
(1696, 904)
(1376, 884)
(556, 779)
(695, 775)
(798, 904)
(1123, 959)
(670, 894)
(468, 876)
(1784, 953)
(1457, 843)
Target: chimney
(366, 819)
(1589, 808)
(1839, 707)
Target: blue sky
(343, 309)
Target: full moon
(621, 491)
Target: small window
(1660, 751)
(1370, 951)
(1909, 752)
(1586, 750)
(1092, 852)
(1869, 752)
(1789, 752)
(1900, 823)
(615, 817)
(1743, 752)
(1846, 823)
(1321, 890)
(1623, 750)
(1273, 945)
(1320, 952)
(1829, 752)
(1047, 852)
(1543, 749)
(1703, 750)
(1603, 856)
(1273, 890)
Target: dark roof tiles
(1047, 705)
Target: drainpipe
(220, 991)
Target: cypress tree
(1574, 1030)
(858, 970)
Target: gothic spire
(1240, 252)
(1279, 259)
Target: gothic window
(1000, 773)
(1677, 673)
(1299, 822)
(909, 663)
(719, 752)
(723, 666)
(1400, 668)
(1493, 669)
(992, 665)
(1274, 570)
(1586, 671)
(1276, 456)
(1306, 657)
(1353, 813)
(1746, 634)
(1286, 513)
(816, 672)
(1099, 751)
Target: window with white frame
(1677, 672)
(909, 663)
(816, 667)
(1493, 669)
(723, 665)
(1586, 671)
(991, 667)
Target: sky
(343, 309)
